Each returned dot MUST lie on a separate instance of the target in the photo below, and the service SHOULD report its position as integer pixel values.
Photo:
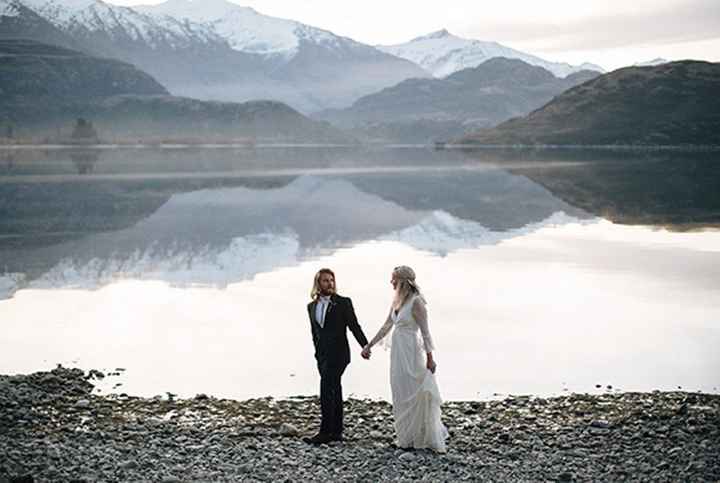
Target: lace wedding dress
(415, 394)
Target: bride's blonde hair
(406, 286)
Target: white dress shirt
(321, 309)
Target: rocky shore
(54, 428)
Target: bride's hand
(366, 352)
(431, 365)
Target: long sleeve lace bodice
(419, 316)
(384, 330)
(419, 313)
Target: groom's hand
(365, 353)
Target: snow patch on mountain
(650, 63)
(59, 12)
(8, 9)
(120, 22)
(242, 27)
(442, 53)
(195, 10)
(10, 282)
(241, 259)
(442, 233)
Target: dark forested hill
(669, 104)
(45, 88)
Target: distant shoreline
(437, 146)
(55, 428)
(165, 146)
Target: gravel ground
(53, 428)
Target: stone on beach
(288, 430)
(52, 428)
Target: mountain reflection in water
(218, 216)
(177, 257)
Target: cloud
(689, 21)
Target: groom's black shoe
(337, 437)
(319, 438)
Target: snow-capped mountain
(442, 53)
(88, 18)
(650, 63)
(8, 9)
(242, 27)
(215, 49)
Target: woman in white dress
(415, 394)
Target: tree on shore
(84, 131)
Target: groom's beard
(325, 293)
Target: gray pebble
(287, 429)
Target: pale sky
(611, 33)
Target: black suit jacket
(331, 342)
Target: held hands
(365, 353)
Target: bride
(415, 394)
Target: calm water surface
(545, 271)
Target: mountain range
(218, 50)
(423, 110)
(438, 86)
(442, 53)
(214, 50)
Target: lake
(545, 271)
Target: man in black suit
(330, 315)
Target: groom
(330, 315)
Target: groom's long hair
(315, 292)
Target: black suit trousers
(331, 398)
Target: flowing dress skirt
(415, 394)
